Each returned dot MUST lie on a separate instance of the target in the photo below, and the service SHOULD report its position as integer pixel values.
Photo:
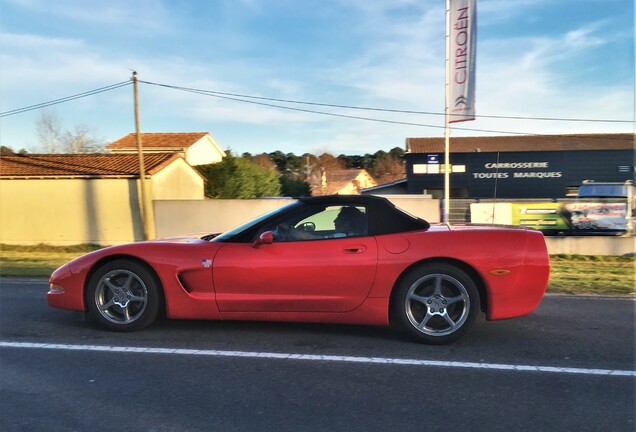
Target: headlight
(58, 277)
(55, 289)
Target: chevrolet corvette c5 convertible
(331, 259)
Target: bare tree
(49, 131)
(80, 141)
(54, 140)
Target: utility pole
(143, 207)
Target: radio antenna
(494, 201)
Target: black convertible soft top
(383, 216)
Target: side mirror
(308, 227)
(266, 238)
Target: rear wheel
(436, 303)
(123, 296)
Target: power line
(206, 93)
(255, 101)
(65, 99)
(238, 99)
(236, 95)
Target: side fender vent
(184, 284)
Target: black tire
(123, 295)
(436, 303)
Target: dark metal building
(529, 166)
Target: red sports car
(333, 259)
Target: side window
(325, 223)
(321, 222)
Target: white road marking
(627, 297)
(313, 357)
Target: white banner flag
(462, 23)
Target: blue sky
(535, 58)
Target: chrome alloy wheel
(121, 296)
(437, 304)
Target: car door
(327, 275)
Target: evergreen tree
(293, 187)
(238, 177)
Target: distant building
(529, 166)
(343, 182)
(197, 148)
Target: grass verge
(592, 274)
(570, 274)
(37, 261)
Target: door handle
(354, 249)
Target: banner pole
(446, 214)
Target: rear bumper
(520, 294)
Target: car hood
(189, 238)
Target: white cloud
(37, 68)
(583, 37)
(138, 15)
(494, 12)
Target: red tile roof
(523, 143)
(160, 141)
(82, 165)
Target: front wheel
(123, 296)
(436, 303)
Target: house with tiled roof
(87, 198)
(81, 165)
(518, 166)
(343, 182)
(197, 148)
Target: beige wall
(591, 245)
(69, 211)
(203, 152)
(177, 181)
(176, 218)
(489, 213)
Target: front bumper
(66, 290)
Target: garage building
(528, 166)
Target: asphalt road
(567, 367)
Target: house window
(420, 169)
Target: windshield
(247, 225)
